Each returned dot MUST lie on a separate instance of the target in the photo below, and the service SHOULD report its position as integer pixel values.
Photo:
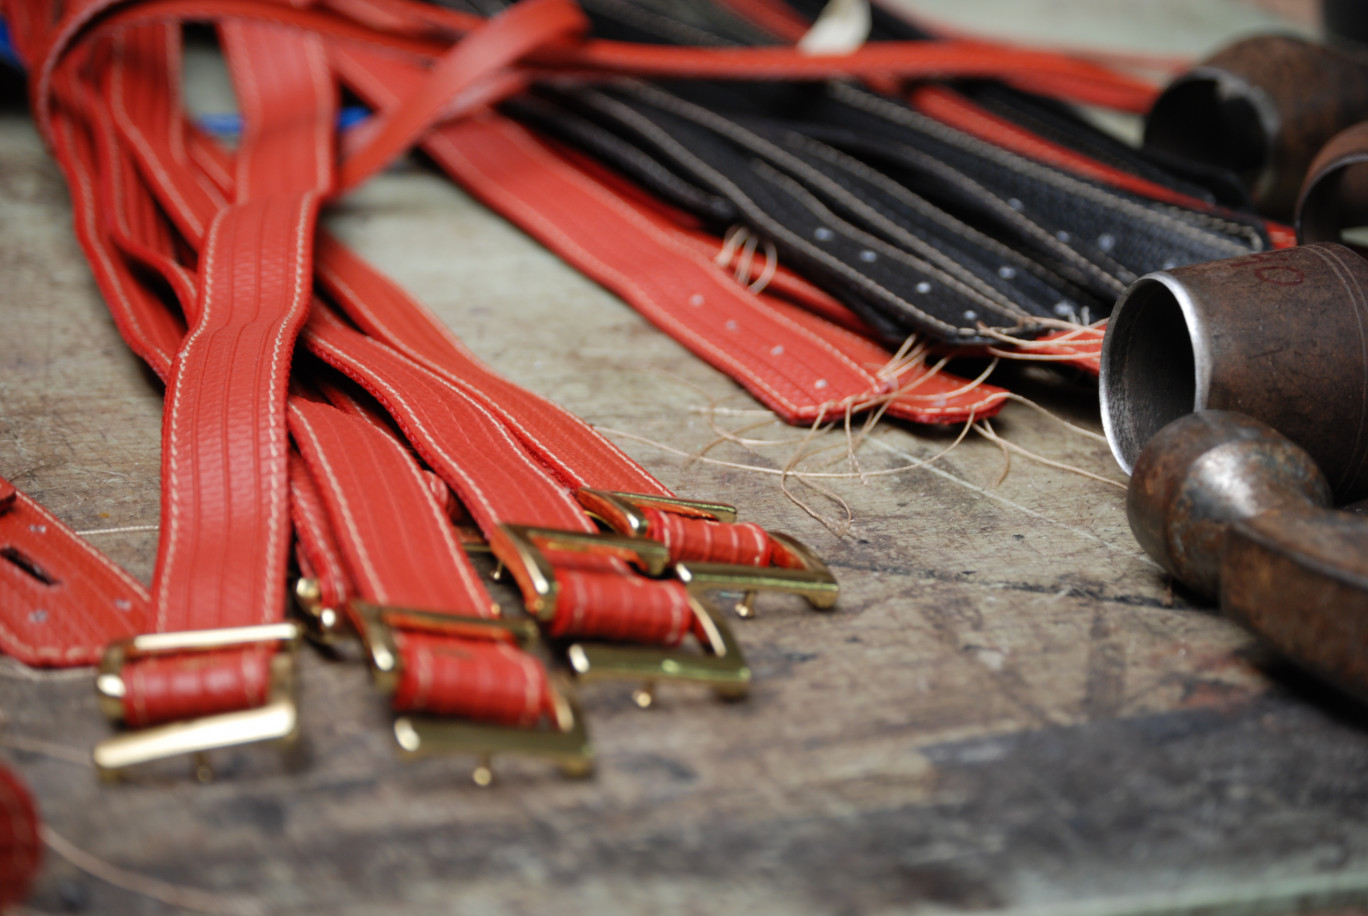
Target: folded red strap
(597, 604)
(165, 688)
(505, 39)
(687, 538)
(489, 681)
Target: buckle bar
(375, 622)
(566, 743)
(813, 581)
(722, 666)
(276, 720)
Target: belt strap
(63, 600)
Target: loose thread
(1006, 455)
(188, 898)
(778, 472)
(1039, 408)
(739, 245)
(768, 271)
(838, 527)
(47, 749)
(1040, 459)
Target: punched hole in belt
(27, 565)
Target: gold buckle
(814, 581)
(277, 720)
(722, 666)
(567, 742)
(535, 574)
(622, 511)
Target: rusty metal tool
(1335, 196)
(1234, 509)
(1281, 336)
(1261, 108)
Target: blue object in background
(7, 52)
(225, 124)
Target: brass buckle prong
(276, 720)
(721, 665)
(536, 576)
(566, 741)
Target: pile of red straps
(317, 416)
(307, 394)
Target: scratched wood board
(1008, 711)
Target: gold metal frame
(721, 665)
(566, 742)
(814, 581)
(537, 577)
(277, 720)
(322, 624)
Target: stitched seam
(749, 139)
(341, 504)
(777, 230)
(967, 233)
(1024, 166)
(402, 345)
(379, 385)
(532, 217)
(147, 154)
(664, 315)
(811, 203)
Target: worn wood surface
(1009, 710)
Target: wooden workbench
(1010, 710)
